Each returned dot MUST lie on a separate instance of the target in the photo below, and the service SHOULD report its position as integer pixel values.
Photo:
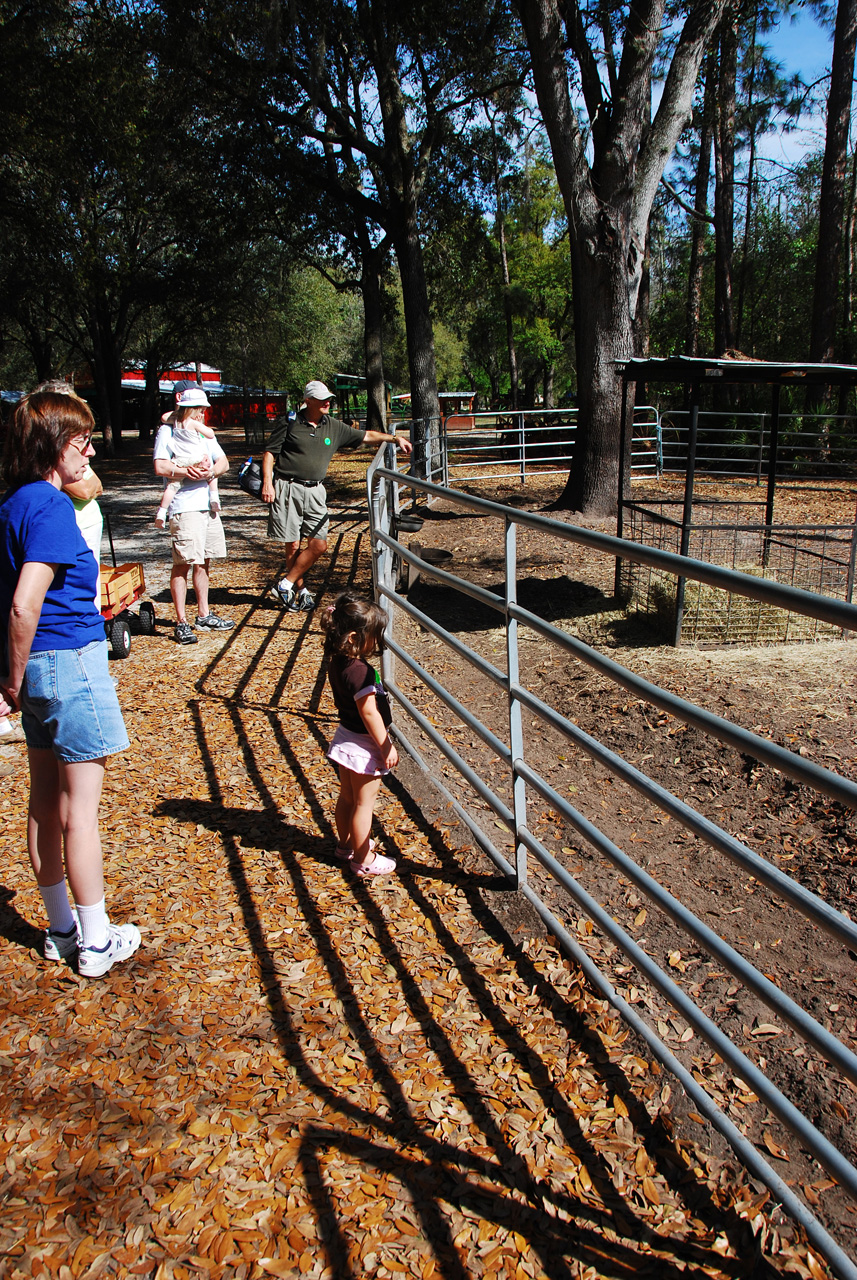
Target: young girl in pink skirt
(362, 748)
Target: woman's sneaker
(59, 946)
(122, 941)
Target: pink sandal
(345, 853)
(379, 866)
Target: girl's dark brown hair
(351, 612)
(38, 431)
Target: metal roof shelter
(697, 372)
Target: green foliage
(782, 262)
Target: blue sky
(805, 48)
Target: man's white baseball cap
(193, 398)
(318, 391)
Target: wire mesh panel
(818, 558)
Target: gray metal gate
(528, 783)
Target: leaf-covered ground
(301, 1073)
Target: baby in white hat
(189, 428)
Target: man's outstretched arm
(382, 437)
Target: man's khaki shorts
(297, 512)
(197, 537)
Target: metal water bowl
(436, 556)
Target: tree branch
(702, 215)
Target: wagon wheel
(120, 637)
(147, 618)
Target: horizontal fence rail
(739, 444)
(514, 444)
(527, 785)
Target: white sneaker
(122, 941)
(59, 946)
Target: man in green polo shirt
(294, 465)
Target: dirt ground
(297, 1079)
(802, 696)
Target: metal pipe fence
(739, 443)
(511, 445)
(523, 760)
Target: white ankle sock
(93, 924)
(285, 585)
(57, 905)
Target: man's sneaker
(183, 634)
(59, 946)
(304, 603)
(212, 623)
(122, 941)
(286, 598)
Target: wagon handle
(110, 538)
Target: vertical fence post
(522, 461)
(772, 471)
(687, 512)
(516, 732)
(852, 564)
(620, 497)
(660, 436)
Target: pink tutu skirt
(357, 752)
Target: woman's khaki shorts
(197, 537)
(297, 512)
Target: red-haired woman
(54, 652)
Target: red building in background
(230, 407)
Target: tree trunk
(113, 376)
(507, 281)
(373, 348)
(151, 399)
(724, 188)
(698, 227)
(848, 284)
(746, 264)
(642, 326)
(832, 203)
(103, 401)
(548, 375)
(603, 338)
(608, 202)
(420, 339)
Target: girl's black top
(352, 678)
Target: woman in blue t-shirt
(53, 648)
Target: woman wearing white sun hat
(196, 532)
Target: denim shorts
(69, 704)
